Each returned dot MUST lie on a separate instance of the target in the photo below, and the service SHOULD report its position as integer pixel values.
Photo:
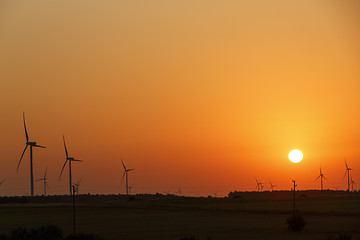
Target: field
(249, 216)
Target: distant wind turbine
(68, 159)
(179, 191)
(45, 182)
(352, 184)
(321, 176)
(126, 174)
(31, 144)
(130, 188)
(2, 181)
(77, 185)
(271, 186)
(259, 185)
(347, 171)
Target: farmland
(246, 216)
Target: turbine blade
(324, 177)
(66, 152)
(21, 157)
(63, 169)
(122, 179)
(123, 164)
(76, 160)
(2, 181)
(317, 178)
(26, 133)
(345, 174)
(39, 146)
(45, 173)
(130, 169)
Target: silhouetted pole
(321, 183)
(294, 197)
(73, 195)
(31, 172)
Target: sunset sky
(203, 94)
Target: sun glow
(295, 156)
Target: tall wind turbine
(45, 181)
(68, 160)
(271, 186)
(321, 176)
(31, 144)
(347, 171)
(179, 191)
(126, 173)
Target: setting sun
(295, 156)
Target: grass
(176, 218)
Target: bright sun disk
(295, 156)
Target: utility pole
(73, 196)
(294, 198)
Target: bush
(296, 223)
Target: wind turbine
(347, 171)
(130, 188)
(68, 160)
(321, 176)
(2, 181)
(31, 144)
(271, 186)
(45, 181)
(77, 184)
(352, 184)
(126, 173)
(259, 185)
(179, 191)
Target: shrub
(296, 223)
(83, 237)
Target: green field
(177, 217)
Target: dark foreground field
(249, 216)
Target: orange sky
(203, 94)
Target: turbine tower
(45, 182)
(31, 144)
(347, 171)
(321, 176)
(68, 160)
(126, 173)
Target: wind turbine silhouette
(77, 184)
(68, 159)
(130, 188)
(126, 173)
(271, 186)
(352, 184)
(179, 191)
(321, 176)
(259, 185)
(31, 144)
(2, 181)
(45, 181)
(347, 171)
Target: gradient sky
(203, 94)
